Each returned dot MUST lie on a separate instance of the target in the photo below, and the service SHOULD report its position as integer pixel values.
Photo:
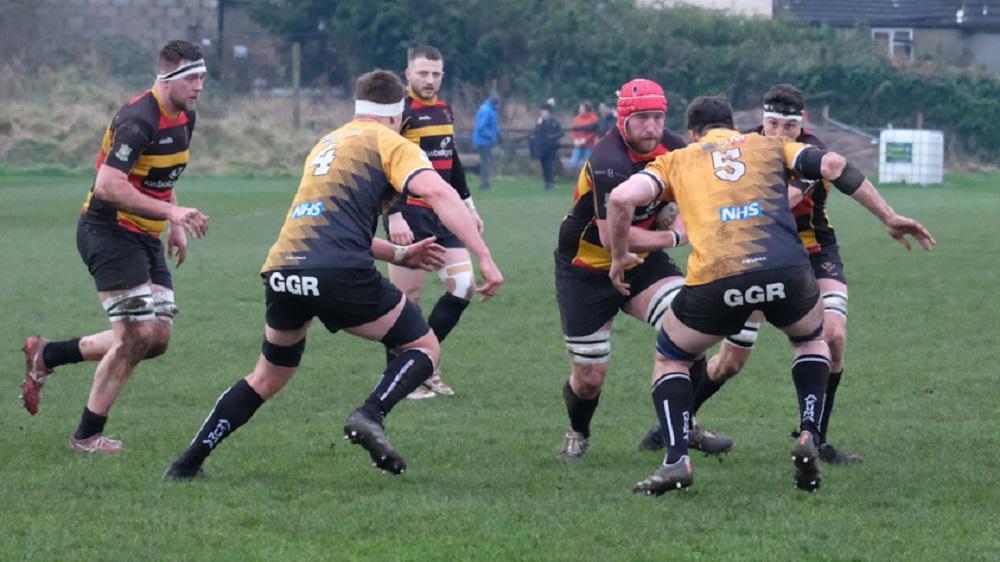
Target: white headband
(183, 70)
(777, 115)
(365, 107)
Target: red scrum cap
(636, 96)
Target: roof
(981, 14)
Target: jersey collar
(417, 103)
(173, 116)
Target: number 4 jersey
(732, 193)
(350, 176)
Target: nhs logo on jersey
(740, 212)
(307, 209)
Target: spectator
(584, 134)
(606, 121)
(485, 136)
(544, 143)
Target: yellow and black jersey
(349, 178)
(813, 223)
(731, 189)
(611, 163)
(144, 141)
(430, 124)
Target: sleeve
(131, 137)
(458, 177)
(602, 184)
(401, 159)
(659, 171)
(804, 159)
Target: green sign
(899, 152)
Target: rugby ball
(666, 217)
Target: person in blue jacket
(485, 136)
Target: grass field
(919, 400)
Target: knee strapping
(458, 279)
(590, 349)
(134, 306)
(660, 302)
(163, 305)
(671, 350)
(283, 356)
(835, 302)
(746, 337)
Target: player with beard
(588, 302)
(128, 208)
(428, 122)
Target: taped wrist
(850, 180)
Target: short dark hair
(785, 96)
(587, 105)
(175, 51)
(423, 51)
(709, 112)
(379, 86)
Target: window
(896, 43)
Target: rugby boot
(35, 373)
(180, 473)
(438, 386)
(805, 455)
(574, 446)
(707, 441)
(653, 440)
(832, 455)
(96, 444)
(667, 478)
(421, 392)
(362, 430)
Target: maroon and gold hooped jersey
(430, 125)
(610, 164)
(144, 141)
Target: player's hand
(478, 220)
(492, 277)
(424, 254)
(190, 219)
(399, 230)
(899, 227)
(618, 267)
(177, 244)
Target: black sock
(831, 392)
(64, 352)
(403, 375)
(810, 374)
(445, 315)
(580, 410)
(672, 398)
(90, 424)
(704, 387)
(234, 408)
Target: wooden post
(920, 120)
(296, 75)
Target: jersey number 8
(727, 164)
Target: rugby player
(784, 113)
(322, 265)
(428, 122)
(130, 205)
(588, 302)
(746, 255)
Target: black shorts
(826, 264)
(120, 259)
(340, 298)
(587, 299)
(424, 222)
(721, 307)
